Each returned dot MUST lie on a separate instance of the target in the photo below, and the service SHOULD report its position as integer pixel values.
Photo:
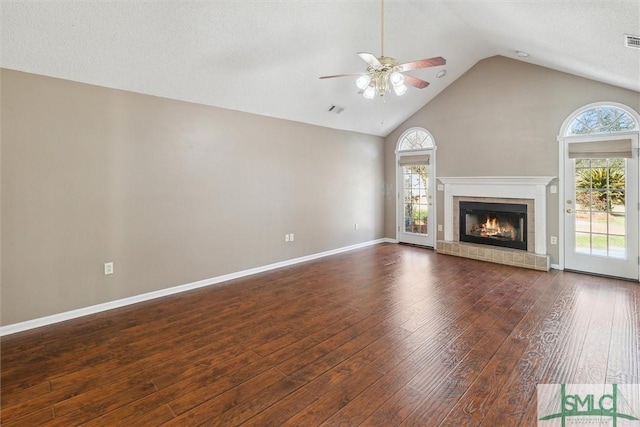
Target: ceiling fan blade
(370, 59)
(342, 75)
(415, 82)
(423, 63)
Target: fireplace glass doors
(496, 224)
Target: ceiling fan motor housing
(380, 74)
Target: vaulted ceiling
(265, 57)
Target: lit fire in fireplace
(498, 224)
(491, 228)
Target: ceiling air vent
(336, 109)
(632, 41)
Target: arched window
(601, 119)
(415, 139)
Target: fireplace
(520, 190)
(496, 224)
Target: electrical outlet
(291, 237)
(108, 268)
(286, 237)
(439, 227)
(554, 240)
(355, 226)
(553, 189)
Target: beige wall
(171, 192)
(501, 118)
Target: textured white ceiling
(265, 57)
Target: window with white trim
(601, 120)
(416, 139)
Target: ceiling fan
(385, 73)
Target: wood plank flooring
(389, 335)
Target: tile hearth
(506, 256)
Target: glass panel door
(415, 205)
(600, 208)
(601, 216)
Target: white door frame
(563, 160)
(431, 221)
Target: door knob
(569, 211)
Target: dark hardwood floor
(387, 335)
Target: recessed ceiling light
(522, 54)
(441, 74)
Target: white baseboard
(73, 314)
(556, 267)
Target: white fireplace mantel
(515, 187)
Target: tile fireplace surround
(512, 189)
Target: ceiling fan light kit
(363, 81)
(385, 73)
